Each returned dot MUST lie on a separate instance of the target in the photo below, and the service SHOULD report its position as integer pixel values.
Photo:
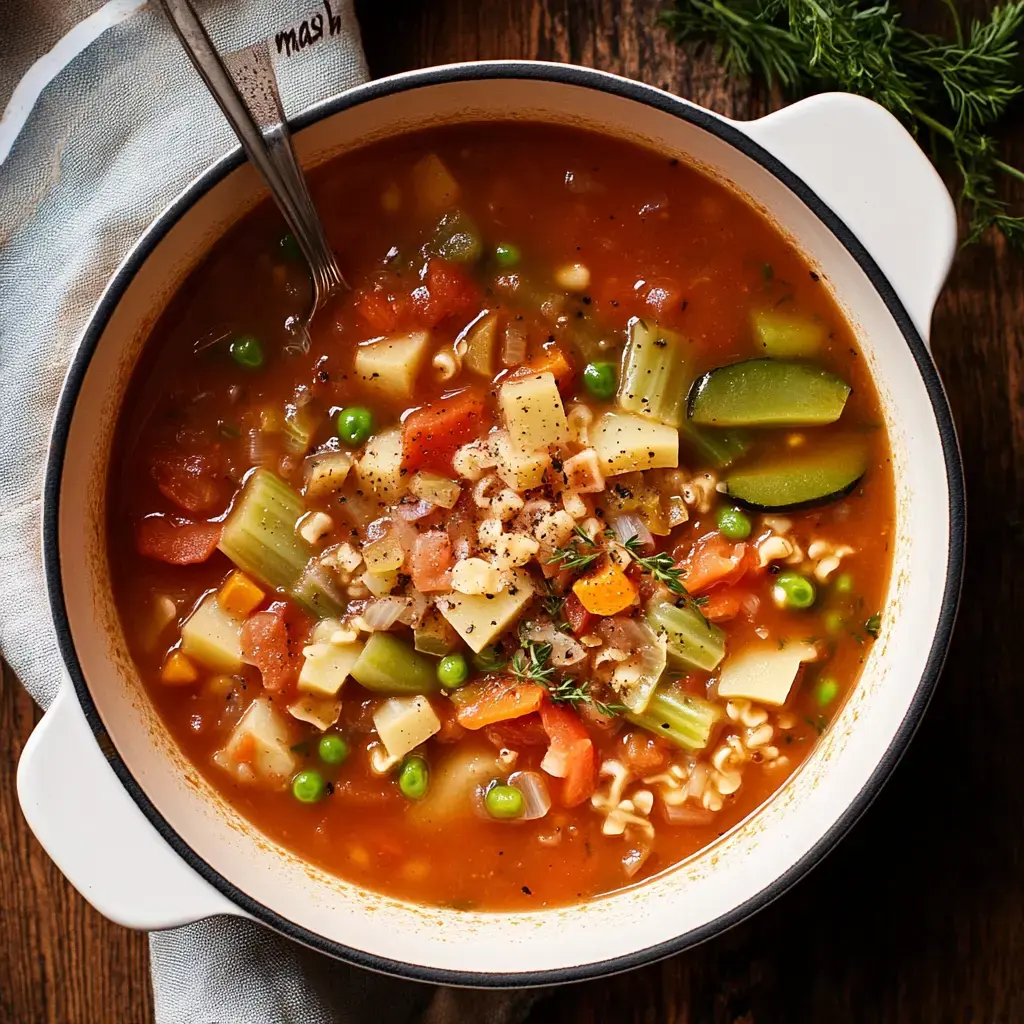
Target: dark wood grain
(919, 914)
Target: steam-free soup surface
(544, 560)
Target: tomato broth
(549, 553)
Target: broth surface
(597, 239)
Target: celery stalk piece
(300, 423)
(656, 374)
(259, 533)
(317, 592)
(684, 720)
(391, 666)
(434, 636)
(691, 638)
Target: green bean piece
(734, 524)
(601, 379)
(247, 351)
(355, 425)
(414, 777)
(332, 748)
(791, 590)
(504, 802)
(309, 786)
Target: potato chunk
(764, 672)
(532, 412)
(379, 468)
(403, 723)
(521, 470)
(480, 618)
(212, 636)
(326, 667)
(391, 365)
(626, 443)
(259, 746)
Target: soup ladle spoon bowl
(245, 88)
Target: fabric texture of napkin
(106, 145)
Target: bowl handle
(97, 835)
(869, 170)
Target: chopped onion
(410, 511)
(624, 633)
(750, 604)
(687, 814)
(415, 608)
(513, 351)
(260, 449)
(565, 649)
(556, 762)
(536, 798)
(384, 612)
(627, 526)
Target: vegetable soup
(543, 558)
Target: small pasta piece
(314, 526)
(447, 364)
(583, 472)
(579, 418)
(475, 576)
(574, 505)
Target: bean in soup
(549, 554)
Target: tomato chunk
(570, 753)
(191, 481)
(447, 291)
(517, 733)
(431, 434)
(431, 561)
(272, 641)
(713, 561)
(175, 541)
(579, 619)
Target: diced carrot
(431, 561)
(579, 619)
(192, 481)
(495, 700)
(178, 670)
(570, 754)
(176, 542)
(272, 641)
(431, 434)
(721, 605)
(713, 561)
(607, 591)
(551, 360)
(239, 596)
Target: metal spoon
(245, 88)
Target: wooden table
(919, 915)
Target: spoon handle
(245, 88)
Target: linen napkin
(105, 121)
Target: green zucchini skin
(767, 393)
(793, 483)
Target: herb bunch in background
(949, 91)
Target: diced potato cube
(403, 723)
(520, 470)
(626, 443)
(325, 473)
(317, 711)
(213, 637)
(390, 366)
(532, 412)
(764, 672)
(379, 469)
(380, 584)
(384, 555)
(261, 740)
(436, 489)
(436, 190)
(326, 667)
(480, 619)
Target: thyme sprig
(952, 90)
(573, 556)
(660, 567)
(531, 664)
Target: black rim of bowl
(602, 82)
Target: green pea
(601, 379)
(507, 254)
(355, 425)
(504, 801)
(792, 590)
(733, 523)
(414, 777)
(290, 248)
(308, 786)
(834, 623)
(247, 351)
(332, 748)
(452, 671)
(844, 583)
(826, 691)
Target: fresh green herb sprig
(531, 664)
(573, 556)
(953, 91)
(660, 567)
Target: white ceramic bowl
(147, 840)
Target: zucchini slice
(787, 335)
(793, 481)
(767, 393)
